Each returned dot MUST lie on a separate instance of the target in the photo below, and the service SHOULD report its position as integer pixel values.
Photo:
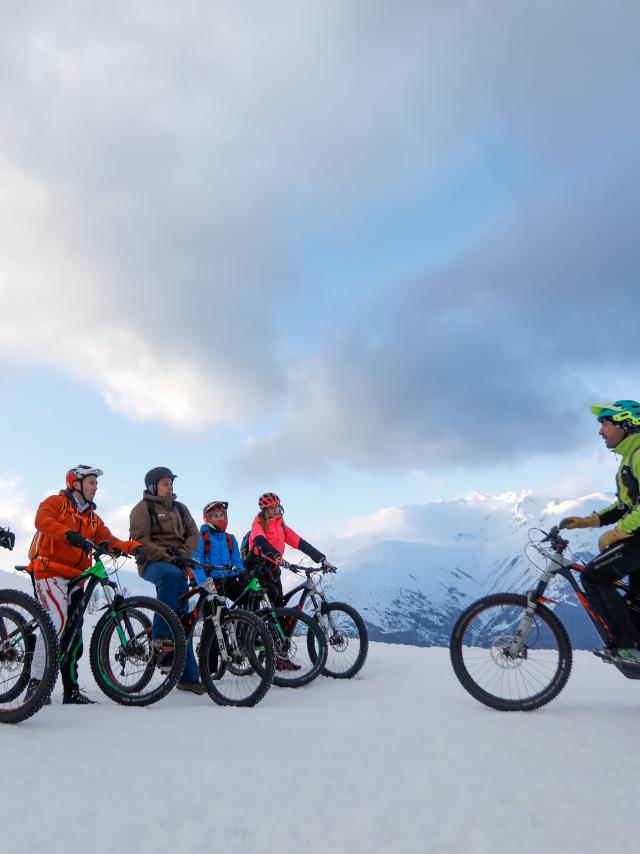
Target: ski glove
(328, 567)
(592, 521)
(7, 538)
(283, 563)
(611, 537)
(112, 551)
(75, 539)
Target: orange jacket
(57, 515)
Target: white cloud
(156, 162)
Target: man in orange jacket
(64, 523)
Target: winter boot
(194, 687)
(285, 664)
(75, 697)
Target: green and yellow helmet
(623, 413)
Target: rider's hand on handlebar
(75, 539)
(112, 551)
(569, 522)
(283, 563)
(328, 567)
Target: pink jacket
(278, 534)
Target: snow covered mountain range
(411, 590)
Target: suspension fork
(319, 601)
(266, 603)
(112, 601)
(217, 604)
(533, 597)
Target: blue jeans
(170, 584)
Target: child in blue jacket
(216, 546)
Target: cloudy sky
(359, 253)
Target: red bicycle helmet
(79, 473)
(268, 499)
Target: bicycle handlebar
(298, 568)
(558, 543)
(100, 549)
(228, 570)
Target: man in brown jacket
(169, 536)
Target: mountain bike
(343, 627)
(511, 652)
(129, 642)
(23, 622)
(300, 645)
(234, 647)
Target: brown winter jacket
(167, 530)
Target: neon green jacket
(626, 510)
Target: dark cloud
(158, 157)
(492, 360)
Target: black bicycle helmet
(152, 477)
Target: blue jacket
(218, 554)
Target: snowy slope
(399, 760)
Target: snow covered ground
(400, 759)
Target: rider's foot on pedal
(194, 687)
(75, 697)
(32, 687)
(627, 656)
(163, 649)
(285, 664)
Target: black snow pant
(620, 559)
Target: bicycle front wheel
(347, 640)
(241, 673)
(129, 665)
(23, 624)
(490, 672)
(300, 644)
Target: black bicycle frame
(93, 577)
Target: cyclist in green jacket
(620, 546)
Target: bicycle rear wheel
(481, 659)
(245, 678)
(300, 644)
(23, 623)
(128, 665)
(347, 640)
